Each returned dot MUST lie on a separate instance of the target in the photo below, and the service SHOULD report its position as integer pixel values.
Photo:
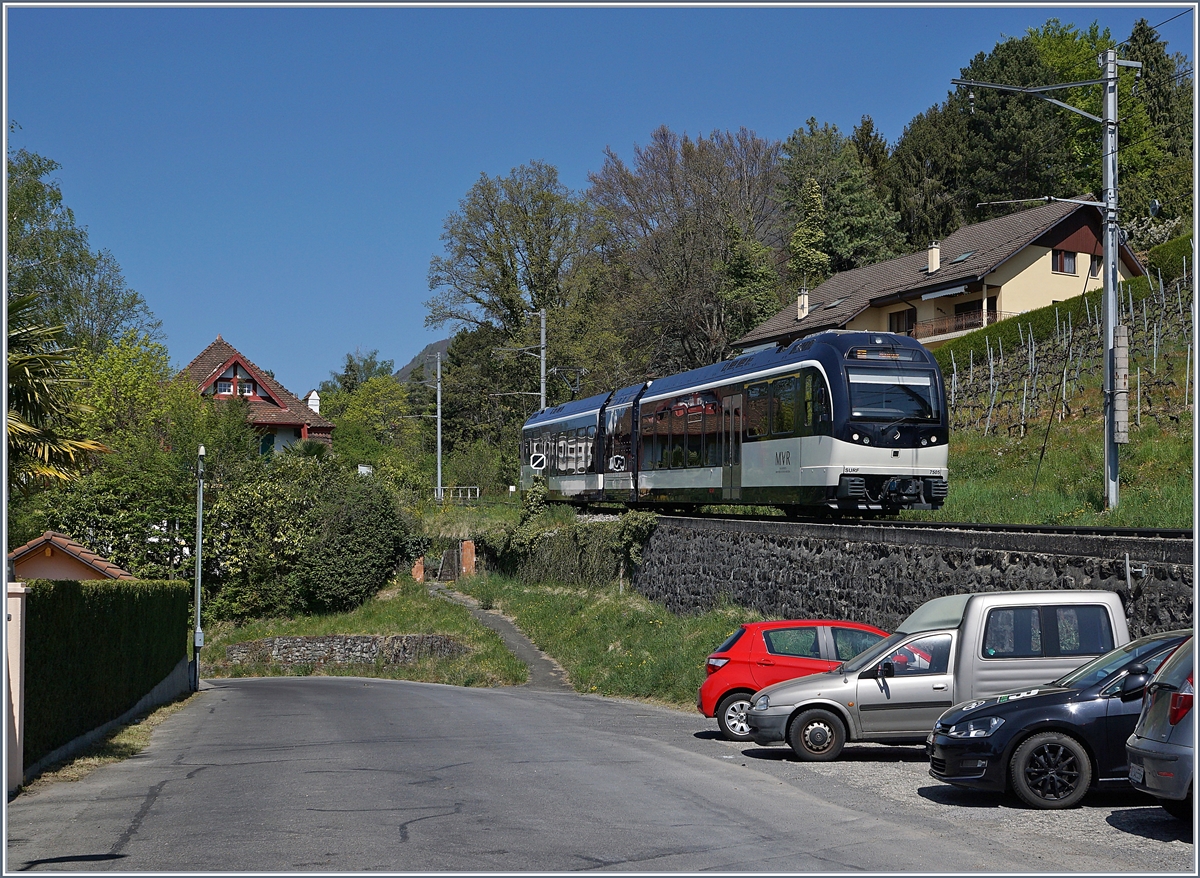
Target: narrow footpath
(545, 674)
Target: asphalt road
(349, 774)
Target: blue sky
(281, 175)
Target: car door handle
(765, 663)
(939, 685)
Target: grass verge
(125, 742)
(613, 642)
(992, 478)
(405, 607)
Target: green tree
(808, 262)
(925, 177)
(509, 249)
(45, 442)
(859, 227)
(1016, 146)
(48, 257)
(356, 370)
(668, 239)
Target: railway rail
(1047, 530)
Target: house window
(902, 321)
(1064, 261)
(246, 388)
(1097, 261)
(224, 387)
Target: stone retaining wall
(879, 574)
(345, 649)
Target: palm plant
(41, 411)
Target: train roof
(568, 410)
(750, 364)
(626, 394)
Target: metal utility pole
(542, 314)
(438, 493)
(198, 635)
(541, 355)
(1114, 432)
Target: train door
(731, 447)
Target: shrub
(93, 649)
(1169, 258)
(584, 552)
(306, 536)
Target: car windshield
(1108, 664)
(872, 655)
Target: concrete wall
(15, 693)
(880, 574)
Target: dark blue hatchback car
(1050, 744)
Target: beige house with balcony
(980, 274)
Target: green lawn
(406, 607)
(612, 641)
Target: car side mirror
(1136, 678)
(887, 669)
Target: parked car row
(967, 675)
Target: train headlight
(924, 441)
(933, 438)
(866, 440)
(854, 436)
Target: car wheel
(1051, 770)
(817, 736)
(1180, 809)
(731, 716)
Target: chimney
(802, 304)
(935, 256)
(313, 400)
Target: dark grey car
(1161, 752)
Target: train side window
(712, 438)
(783, 407)
(678, 437)
(757, 398)
(814, 405)
(651, 455)
(695, 426)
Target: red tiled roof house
(57, 556)
(223, 372)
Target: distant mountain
(425, 358)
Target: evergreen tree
(808, 262)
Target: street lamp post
(198, 639)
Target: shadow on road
(863, 754)
(79, 858)
(1153, 823)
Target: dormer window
(224, 386)
(246, 388)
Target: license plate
(1136, 773)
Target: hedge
(93, 649)
(1172, 257)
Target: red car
(758, 654)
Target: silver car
(1160, 749)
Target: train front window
(893, 395)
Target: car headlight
(978, 727)
(762, 702)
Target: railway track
(1046, 530)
